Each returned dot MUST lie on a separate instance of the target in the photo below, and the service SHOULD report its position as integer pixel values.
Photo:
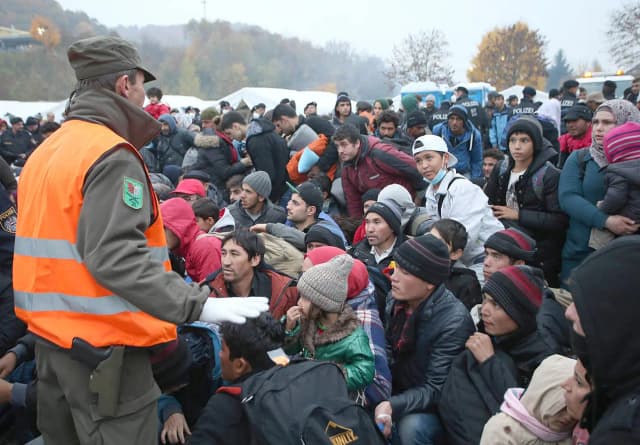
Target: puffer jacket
(171, 148)
(344, 343)
(623, 190)
(542, 218)
(474, 391)
(217, 157)
(280, 289)
(377, 165)
(442, 326)
(269, 153)
(202, 253)
(362, 252)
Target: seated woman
(538, 415)
(523, 192)
(502, 355)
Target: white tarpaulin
(272, 97)
(517, 90)
(26, 109)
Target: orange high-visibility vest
(55, 294)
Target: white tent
(517, 90)
(26, 109)
(272, 97)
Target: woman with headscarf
(582, 185)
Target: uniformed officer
(568, 100)
(92, 275)
(526, 105)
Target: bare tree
(421, 57)
(624, 34)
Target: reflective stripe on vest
(64, 250)
(55, 293)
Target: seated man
(304, 211)
(502, 355)
(512, 247)
(426, 329)
(254, 206)
(244, 273)
(244, 352)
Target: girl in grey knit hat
(322, 327)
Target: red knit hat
(622, 143)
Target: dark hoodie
(217, 157)
(171, 148)
(542, 217)
(269, 153)
(201, 252)
(604, 289)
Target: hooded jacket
(542, 219)
(201, 253)
(467, 148)
(526, 419)
(217, 157)
(623, 190)
(611, 327)
(269, 152)
(377, 165)
(499, 122)
(171, 148)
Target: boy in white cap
(451, 195)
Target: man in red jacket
(578, 135)
(369, 163)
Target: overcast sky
(375, 26)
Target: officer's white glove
(235, 310)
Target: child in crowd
(206, 212)
(323, 327)
(244, 352)
(462, 281)
(622, 149)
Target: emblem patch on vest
(132, 191)
(8, 220)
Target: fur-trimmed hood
(206, 141)
(346, 323)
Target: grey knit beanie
(260, 182)
(326, 284)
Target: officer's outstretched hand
(235, 310)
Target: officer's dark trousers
(67, 410)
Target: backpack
(305, 402)
(537, 179)
(279, 254)
(441, 197)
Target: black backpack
(305, 402)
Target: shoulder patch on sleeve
(132, 193)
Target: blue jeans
(418, 429)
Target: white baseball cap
(430, 142)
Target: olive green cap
(97, 56)
(209, 114)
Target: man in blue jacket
(499, 120)
(463, 140)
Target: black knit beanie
(390, 213)
(529, 125)
(426, 257)
(319, 233)
(518, 290)
(513, 243)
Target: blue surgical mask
(438, 178)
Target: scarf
(623, 111)
(512, 406)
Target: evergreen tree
(559, 71)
